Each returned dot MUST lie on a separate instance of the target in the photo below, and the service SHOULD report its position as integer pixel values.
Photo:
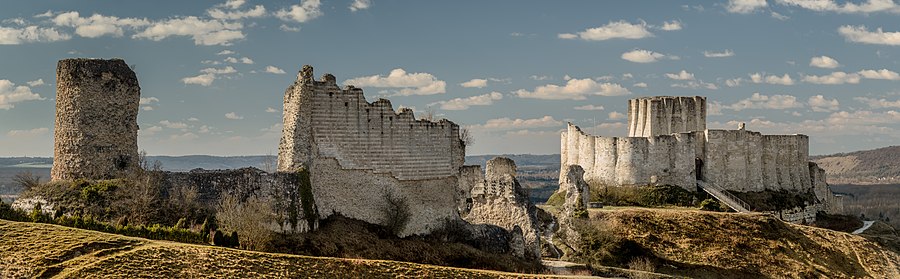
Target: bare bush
(27, 180)
(395, 212)
(250, 219)
(465, 135)
(642, 264)
(184, 202)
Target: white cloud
(513, 124)
(671, 25)
(612, 30)
(147, 108)
(465, 103)
(536, 77)
(575, 89)
(233, 116)
(771, 79)
(28, 133)
(271, 110)
(589, 107)
(204, 32)
(148, 100)
(306, 11)
(30, 34)
(203, 79)
(234, 4)
(878, 103)
(712, 54)
(477, 83)
(683, 75)
(759, 101)
(696, 84)
(869, 6)
(37, 82)
(286, 28)
(615, 115)
(408, 83)
(255, 12)
(745, 6)
(360, 5)
(225, 52)
(780, 17)
(714, 108)
(880, 74)
(824, 62)
(734, 82)
(861, 34)
(11, 94)
(98, 25)
(642, 56)
(173, 125)
(225, 70)
(821, 104)
(243, 60)
(274, 70)
(184, 137)
(640, 84)
(833, 78)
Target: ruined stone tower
(664, 115)
(95, 135)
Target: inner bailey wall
(746, 161)
(664, 115)
(357, 151)
(625, 161)
(95, 134)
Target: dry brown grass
(716, 245)
(42, 250)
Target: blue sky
(213, 73)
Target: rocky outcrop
(504, 203)
(575, 207)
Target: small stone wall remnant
(95, 134)
(503, 202)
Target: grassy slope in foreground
(43, 250)
(710, 244)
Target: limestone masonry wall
(664, 115)
(622, 161)
(323, 120)
(669, 144)
(95, 134)
(357, 151)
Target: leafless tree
(250, 219)
(27, 180)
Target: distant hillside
(43, 250)
(877, 166)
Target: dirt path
(866, 225)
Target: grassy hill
(876, 166)
(701, 244)
(43, 250)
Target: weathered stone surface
(357, 151)
(575, 206)
(504, 203)
(95, 134)
(669, 144)
(664, 115)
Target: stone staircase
(723, 196)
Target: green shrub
(395, 212)
(557, 199)
(710, 205)
(647, 196)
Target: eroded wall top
(664, 115)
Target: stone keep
(664, 115)
(95, 136)
(358, 151)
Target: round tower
(95, 136)
(664, 115)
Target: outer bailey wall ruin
(95, 134)
(357, 151)
(745, 161)
(664, 115)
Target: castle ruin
(356, 152)
(95, 136)
(669, 144)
